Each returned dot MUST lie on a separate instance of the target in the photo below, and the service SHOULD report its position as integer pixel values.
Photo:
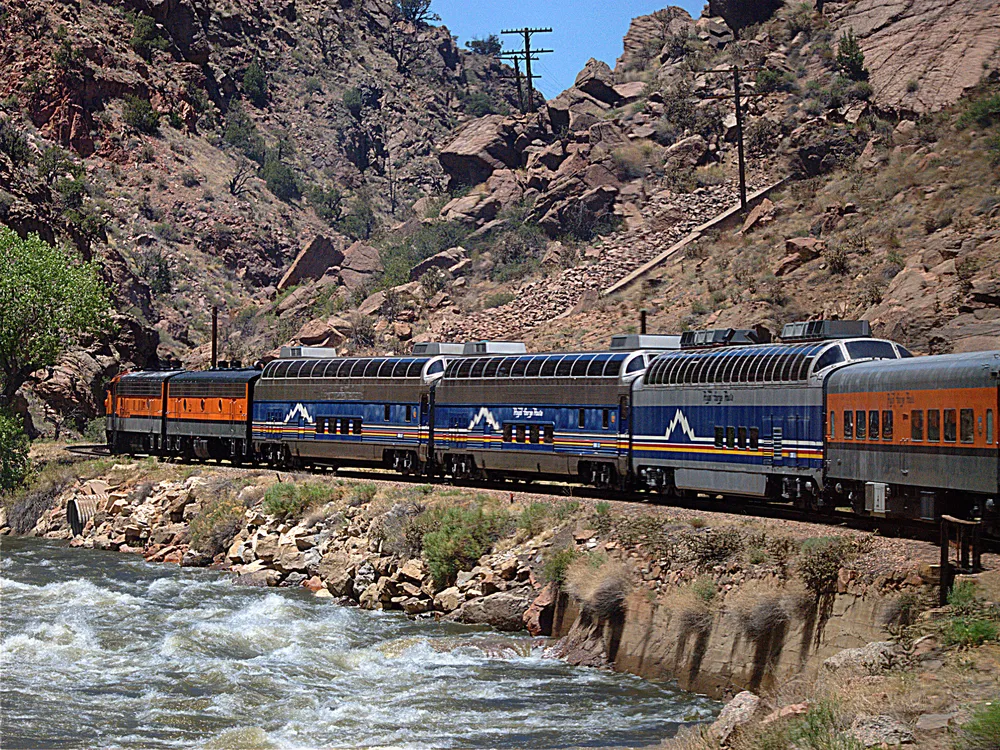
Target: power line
(528, 55)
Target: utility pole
(527, 54)
(517, 75)
(735, 70)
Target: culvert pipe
(79, 510)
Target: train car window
(346, 368)
(356, 427)
(452, 369)
(833, 425)
(409, 413)
(520, 367)
(771, 368)
(345, 426)
(549, 367)
(933, 425)
(989, 427)
(730, 437)
(904, 353)
(715, 372)
(741, 438)
(860, 422)
(887, 425)
(385, 370)
(967, 426)
(490, 369)
(789, 367)
(465, 368)
(400, 368)
(478, 368)
(534, 367)
(503, 370)
(565, 366)
(754, 438)
(582, 418)
(369, 369)
(413, 371)
(319, 425)
(870, 350)
(719, 435)
(388, 412)
(691, 371)
(520, 433)
(614, 366)
(917, 424)
(596, 367)
(220, 404)
(534, 433)
(549, 434)
(873, 425)
(508, 431)
(728, 367)
(950, 425)
(605, 418)
(830, 357)
(203, 404)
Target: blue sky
(581, 29)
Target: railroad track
(928, 531)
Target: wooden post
(945, 565)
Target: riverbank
(718, 603)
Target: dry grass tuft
(761, 606)
(600, 589)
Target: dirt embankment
(720, 603)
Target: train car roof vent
(820, 330)
(307, 352)
(432, 348)
(630, 342)
(725, 337)
(494, 347)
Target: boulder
(442, 260)
(335, 570)
(195, 559)
(741, 13)
(364, 579)
(686, 154)
(413, 570)
(482, 146)
(597, 80)
(879, 731)
(448, 600)
(874, 658)
(739, 711)
(936, 722)
(904, 132)
(360, 263)
(372, 304)
(319, 333)
(649, 32)
(574, 111)
(503, 610)
(415, 606)
(267, 547)
(629, 92)
(762, 213)
(538, 617)
(504, 187)
(312, 261)
(474, 208)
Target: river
(100, 649)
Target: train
(825, 417)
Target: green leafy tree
(140, 115)
(851, 58)
(14, 463)
(145, 36)
(48, 298)
(280, 179)
(255, 84)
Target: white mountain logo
(299, 410)
(680, 420)
(484, 413)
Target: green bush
(533, 517)
(704, 588)
(313, 85)
(983, 112)
(982, 731)
(14, 144)
(291, 500)
(491, 46)
(71, 192)
(140, 115)
(255, 83)
(770, 81)
(456, 539)
(962, 598)
(55, 163)
(241, 133)
(15, 466)
(280, 179)
(821, 561)
(145, 36)
(556, 564)
(362, 493)
(479, 104)
(400, 255)
(326, 203)
(716, 545)
(360, 221)
(969, 631)
(95, 430)
(851, 58)
(498, 300)
(218, 522)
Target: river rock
(195, 559)
(503, 610)
(874, 658)
(538, 617)
(335, 569)
(739, 711)
(448, 600)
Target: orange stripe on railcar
(210, 408)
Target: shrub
(982, 731)
(190, 179)
(280, 179)
(557, 562)
(290, 500)
(770, 81)
(241, 132)
(400, 255)
(821, 561)
(55, 162)
(491, 46)
(498, 299)
(837, 261)
(313, 85)
(630, 162)
(533, 517)
(167, 231)
(140, 115)
(360, 221)
(457, 538)
(145, 36)
(515, 251)
(902, 611)
(582, 224)
(697, 522)
(704, 588)
(71, 192)
(851, 58)
(982, 112)
(220, 520)
(716, 545)
(255, 83)
(15, 466)
(95, 430)
(358, 99)
(362, 330)
(326, 203)
(962, 598)
(362, 493)
(14, 144)
(969, 631)
(762, 137)
(601, 589)
(479, 104)
(400, 530)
